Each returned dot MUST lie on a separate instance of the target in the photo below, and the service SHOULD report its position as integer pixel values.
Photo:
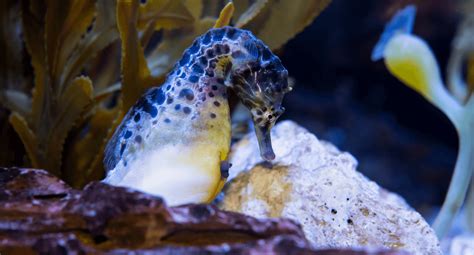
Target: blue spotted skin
(220, 59)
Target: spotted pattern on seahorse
(220, 59)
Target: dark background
(401, 141)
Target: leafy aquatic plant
(62, 72)
(409, 58)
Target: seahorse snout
(265, 141)
(261, 88)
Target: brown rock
(41, 214)
(19, 183)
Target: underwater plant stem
(455, 81)
(448, 104)
(470, 207)
(461, 177)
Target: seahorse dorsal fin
(252, 48)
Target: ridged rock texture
(315, 184)
(39, 214)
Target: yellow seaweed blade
(135, 72)
(27, 137)
(410, 59)
(167, 14)
(225, 16)
(73, 101)
(194, 7)
(276, 22)
(78, 169)
(246, 12)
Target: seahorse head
(261, 81)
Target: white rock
(312, 182)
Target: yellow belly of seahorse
(182, 166)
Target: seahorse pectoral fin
(265, 141)
(224, 171)
(225, 166)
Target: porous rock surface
(315, 184)
(39, 214)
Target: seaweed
(73, 68)
(410, 59)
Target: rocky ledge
(40, 214)
(315, 184)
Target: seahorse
(175, 140)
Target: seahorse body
(174, 141)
